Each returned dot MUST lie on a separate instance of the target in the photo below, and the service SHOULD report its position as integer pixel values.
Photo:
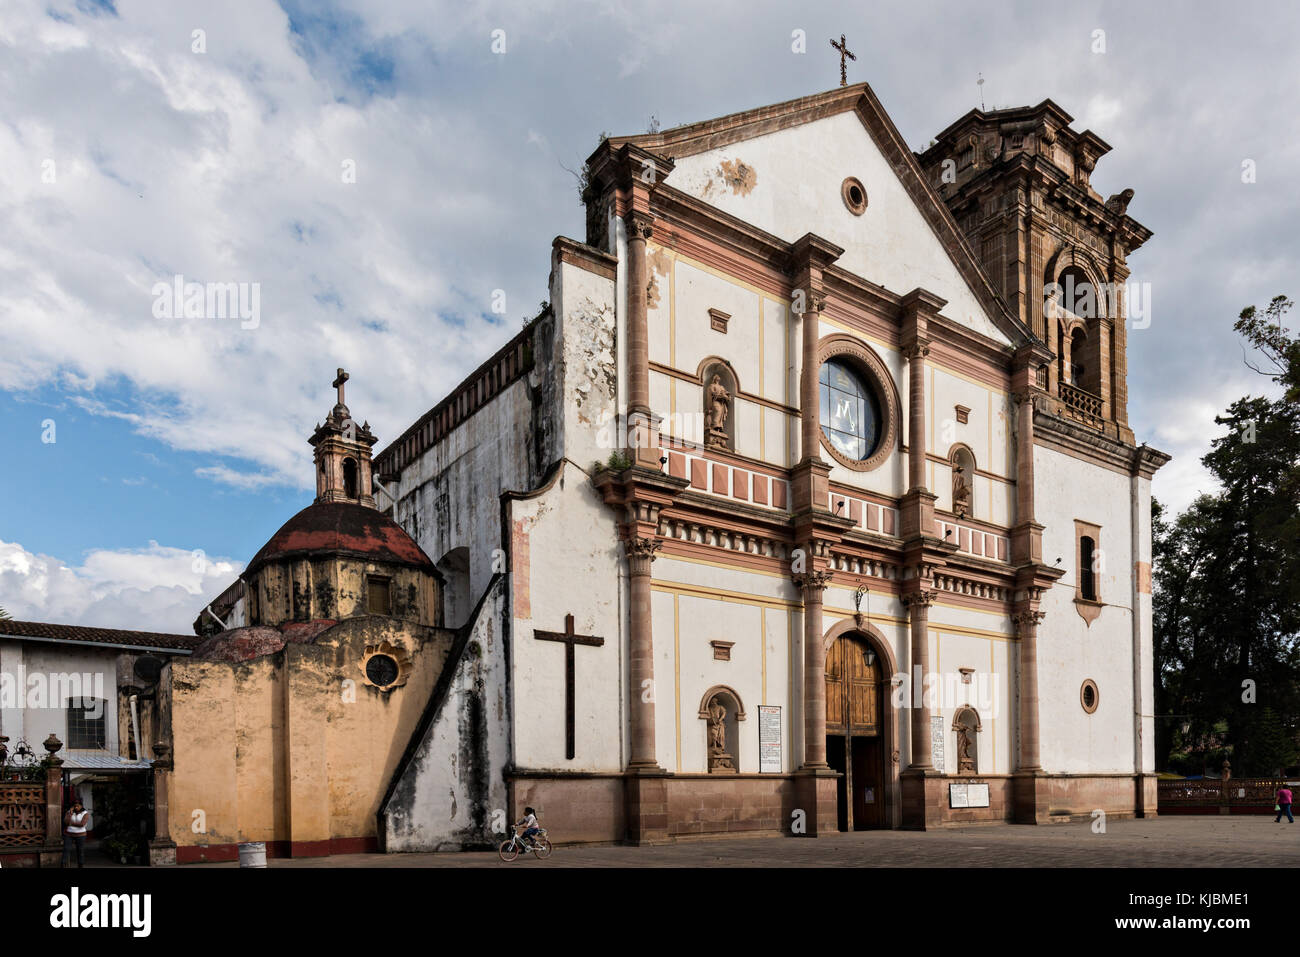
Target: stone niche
(721, 711)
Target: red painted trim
(211, 853)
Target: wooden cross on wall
(570, 639)
(843, 47)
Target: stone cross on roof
(338, 384)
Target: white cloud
(158, 588)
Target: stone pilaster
(162, 849)
(918, 604)
(1027, 793)
(1027, 628)
(812, 584)
(641, 690)
(920, 783)
(51, 855)
(916, 508)
(810, 478)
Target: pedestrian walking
(1283, 805)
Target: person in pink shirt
(1283, 805)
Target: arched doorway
(855, 732)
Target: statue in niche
(720, 761)
(960, 492)
(715, 419)
(965, 743)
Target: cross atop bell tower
(343, 454)
(341, 378)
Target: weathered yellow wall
(295, 746)
(335, 589)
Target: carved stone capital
(640, 226)
(916, 350)
(922, 599)
(640, 553)
(1025, 620)
(810, 581)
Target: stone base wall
(592, 809)
(573, 809)
(714, 805)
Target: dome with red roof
(325, 529)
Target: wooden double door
(854, 732)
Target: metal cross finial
(338, 384)
(844, 52)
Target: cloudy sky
(381, 169)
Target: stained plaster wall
(452, 794)
(294, 745)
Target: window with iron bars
(85, 730)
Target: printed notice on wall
(936, 742)
(968, 795)
(769, 738)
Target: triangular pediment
(781, 168)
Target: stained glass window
(850, 413)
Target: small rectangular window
(1087, 576)
(377, 596)
(1089, 562)
(86, 724)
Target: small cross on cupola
(343, 454)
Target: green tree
(1227, 588)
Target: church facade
(809, 502)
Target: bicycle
(539, 845)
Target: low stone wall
(577, 809)
(719, 804)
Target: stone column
(812, 584)
(918, 604)
(641, 690)
(51, 854)
(809, 385)
(1027, 626)
(642, 423)
(162, 849)
(916, 354)
(639, 229)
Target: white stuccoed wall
(798, 173)
(573, 566)
(49, 667)
(1069, 650)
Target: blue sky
(139, 141)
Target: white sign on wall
(968, 795)
(769, 738)
(936, 742)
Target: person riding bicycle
(529, 824)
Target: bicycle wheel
(542, 849)
(509, 851)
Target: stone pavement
(1179, 841)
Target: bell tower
(1018, 183)
(343, 455)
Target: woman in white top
(75, 824)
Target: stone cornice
(1065, 436)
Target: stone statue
(965, 763)
(960, 493)
(719, 759)
(719, 408)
